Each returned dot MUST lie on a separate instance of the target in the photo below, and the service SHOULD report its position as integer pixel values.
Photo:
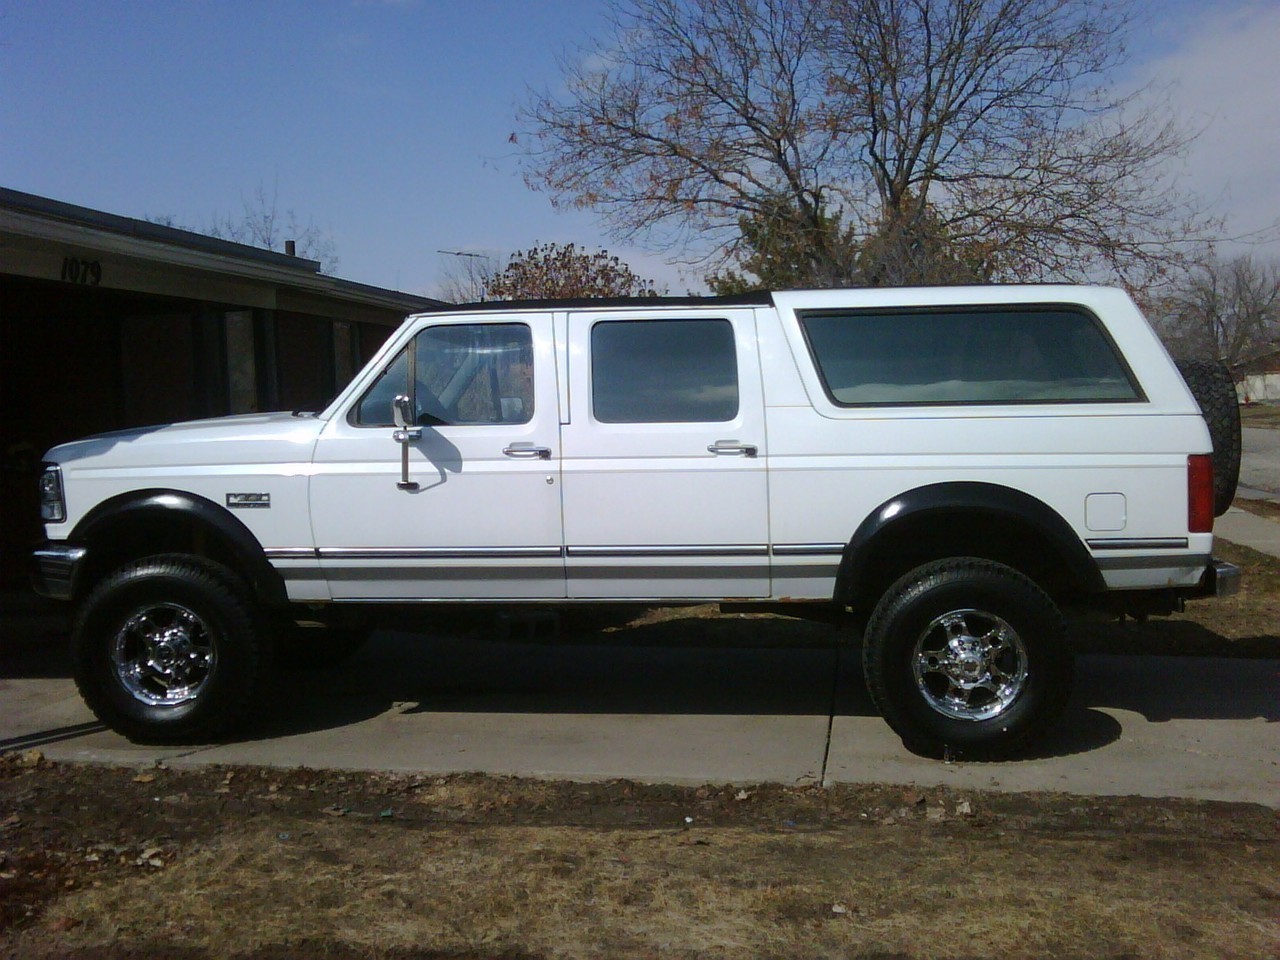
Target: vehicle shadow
(1159, 689)
(1181, 638)
(710, 666)
(34, 644)
(677, 668)
(624, 661)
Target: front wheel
(169, 649)
(966, 657)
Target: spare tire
(1214, 389)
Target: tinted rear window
(966, 356)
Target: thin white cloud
(1223, 79)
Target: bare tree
(263, 224)
(692, 116)
(979, 125)
(1226, 310)
(466, 278)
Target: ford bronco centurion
(949, 468)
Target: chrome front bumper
(56, 564)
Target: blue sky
(386, 121)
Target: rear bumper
(56, 565)
(1217, 579)
(1221, 579)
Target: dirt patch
(255, 863)
(1262, 508)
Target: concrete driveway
(1155, 726)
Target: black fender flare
(118, 512)
(974, 499)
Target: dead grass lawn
(954, 891)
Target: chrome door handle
(528, 452)
(733, 447)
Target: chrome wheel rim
(163, 655)
(970, 665)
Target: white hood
(249, 438)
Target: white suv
(948, 468)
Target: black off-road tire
(181, 610)
(972, 605)
(1211, 384)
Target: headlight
(53, 506)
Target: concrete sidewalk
(1197, 727)
(1249, 530)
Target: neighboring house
(1260, 379)
(109, 322)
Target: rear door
(664, 482)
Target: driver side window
(457, 374)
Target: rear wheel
(169, 649)
(966, 657)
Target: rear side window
(663, 371)
(1045, 354)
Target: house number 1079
(87, 272)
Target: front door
(476, 514)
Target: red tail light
(1200, 493)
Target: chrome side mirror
(405, 433)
